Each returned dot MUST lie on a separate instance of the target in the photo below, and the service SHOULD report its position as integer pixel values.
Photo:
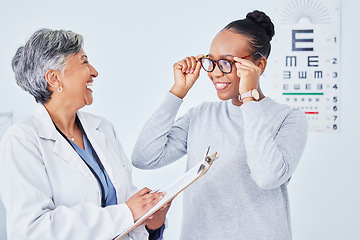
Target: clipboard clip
(207, 159)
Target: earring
(59, 89)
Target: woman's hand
(248, 73)
(142, 201)
(186, 72)
(157, 219)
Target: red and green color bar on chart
(303, 94)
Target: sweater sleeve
(273, 159)
(162, 140)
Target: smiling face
(77, 80)
(227, 45)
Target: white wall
(134, 44)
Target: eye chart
(306, 59)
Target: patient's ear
(262, 64)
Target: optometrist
(63, 172)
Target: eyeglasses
(224, 65)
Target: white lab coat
(49, 192)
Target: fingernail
(154, 191)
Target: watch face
(255, 94)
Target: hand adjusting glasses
(224, 65)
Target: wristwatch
(252, 93)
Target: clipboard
(175, 188)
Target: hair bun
(263, 21)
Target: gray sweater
(244, 194)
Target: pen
(202, 166)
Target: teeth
(221, 85)
(89, 85)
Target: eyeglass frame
(215, 62)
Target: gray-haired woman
(63, 172)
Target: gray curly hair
(46, 49)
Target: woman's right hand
(186, 72)
(143, 201)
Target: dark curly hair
(259, 30)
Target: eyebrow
(84, 56)
(222, 56)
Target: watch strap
(249, 94)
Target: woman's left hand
(248, 73)
(156, 220)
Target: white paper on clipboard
(175, 188)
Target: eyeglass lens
(225, 65)
(209, 65)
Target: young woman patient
(259, 142)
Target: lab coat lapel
(61, 147)
(97, 139)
